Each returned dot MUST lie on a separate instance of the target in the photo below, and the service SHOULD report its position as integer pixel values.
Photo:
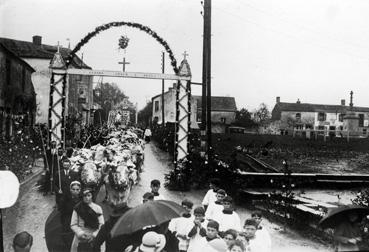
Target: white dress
(209, 198)
(77, 225)
(182, 226)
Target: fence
(330, 134)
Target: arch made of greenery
(138, 26)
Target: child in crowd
(198, 230)
(210, 196)
(255, 243)
(261, 231)
(212, 234)
(217, 206)
(22, 242)
(230, 236)
(155, 186)
(148, 196)
(181, 226)
(236, 246)
(227, 218)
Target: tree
(262, 113)
(107, 95)
(243, 119)
(145, 114)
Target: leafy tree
(144, 115)
(262, 113)
(107, 95)
(243, 119)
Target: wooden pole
(162, 89)
(207, 37)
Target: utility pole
(207, 49)
(162, 89)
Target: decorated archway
(59, 82)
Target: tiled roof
(17, 58)
(25, 49)
(308, 107)
(219, 103)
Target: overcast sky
(314, 50)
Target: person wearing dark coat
(67, 203)
(51, 178)
(118, 201)
(66, 177)
(112, 244)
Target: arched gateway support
(58, 85)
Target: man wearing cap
(22, 242)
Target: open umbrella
(148, 214)
(56, 239)
(336, 215)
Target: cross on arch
(185, 54)
(124, 63)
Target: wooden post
(162, 90)
(57, 99)
(207, 47)
(182, 113)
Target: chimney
(37, 40)
(278, 99)
(298, 101)
(343, 102)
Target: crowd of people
(78, 176)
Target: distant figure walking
(147, 135)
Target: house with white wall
(223, 110)
(304, 116)
(39, 56)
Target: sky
(313, 50)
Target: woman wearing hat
(87, 219)
(152, 242)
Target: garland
(123, 42)
(129, 24)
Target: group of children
(215, 226)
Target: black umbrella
(148, 214)
(56, 238)
(336, 215)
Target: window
(322, 117)
(156, 107)
(223, 120)
(361, 120)
(340, 117)
(364, 131)
(298, 116)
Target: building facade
(334, 118)
(79, 88)
(223, 110)
(17, 94)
